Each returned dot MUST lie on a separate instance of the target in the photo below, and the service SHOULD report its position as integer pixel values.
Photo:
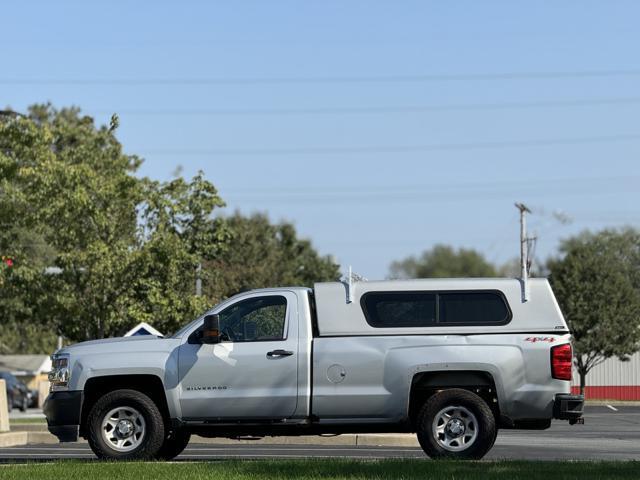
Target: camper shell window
(432, 309)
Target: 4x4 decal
(540, 339)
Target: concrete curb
(369, 439)
(12, 439)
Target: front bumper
(568, 407)
(63, 411)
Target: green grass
(317, 469)
(16, 421)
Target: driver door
(252, 373)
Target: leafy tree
(261, 254)
(23, 238)
(597, 283)
(443, 261)
(94, 249)
(124, 248)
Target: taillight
(561, 361)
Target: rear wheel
(174, 445)
(25, 404)
(456, 423)
(125, 424)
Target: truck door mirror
(211, 330)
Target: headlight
(60, 372)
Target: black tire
(25, 404)
(174, 445)
(154, 429)
(10, 403)
(483, 428)
(495, 437)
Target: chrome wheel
(123, 429)
(455, 428)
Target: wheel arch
(148, 384)
(425, 384)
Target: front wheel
(456, 423)
(125, 425)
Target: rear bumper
(568, 407)
(63, 410)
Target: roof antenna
(350, 282)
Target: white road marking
(612, 408)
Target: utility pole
(198, 280)
(524, 260)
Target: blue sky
(380, 128)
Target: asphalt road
(606, 435)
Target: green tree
(442, 261)
(261, 254)
(23, 237)
(124, 248)
(597, 283)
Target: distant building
(612, 380)
(31, 369)
(142, 328)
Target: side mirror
(211, 331)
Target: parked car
(33, 398)
(453, 360)
(17, 392)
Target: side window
(476, 308)
(402, 309)
(254, 320)
(429, 309)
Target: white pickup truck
(451, 360)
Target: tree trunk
(582, 373)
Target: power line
(438, 192)
(428, 196)
(392, 148)
(372, 110)
(399, 78)
(515, 185)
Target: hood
(122, 344)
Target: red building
(612, 380)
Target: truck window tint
(388, 310)
(472, 308)
(418, 309)
(255, 319)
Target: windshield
(180, 332)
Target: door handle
(279, 353)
